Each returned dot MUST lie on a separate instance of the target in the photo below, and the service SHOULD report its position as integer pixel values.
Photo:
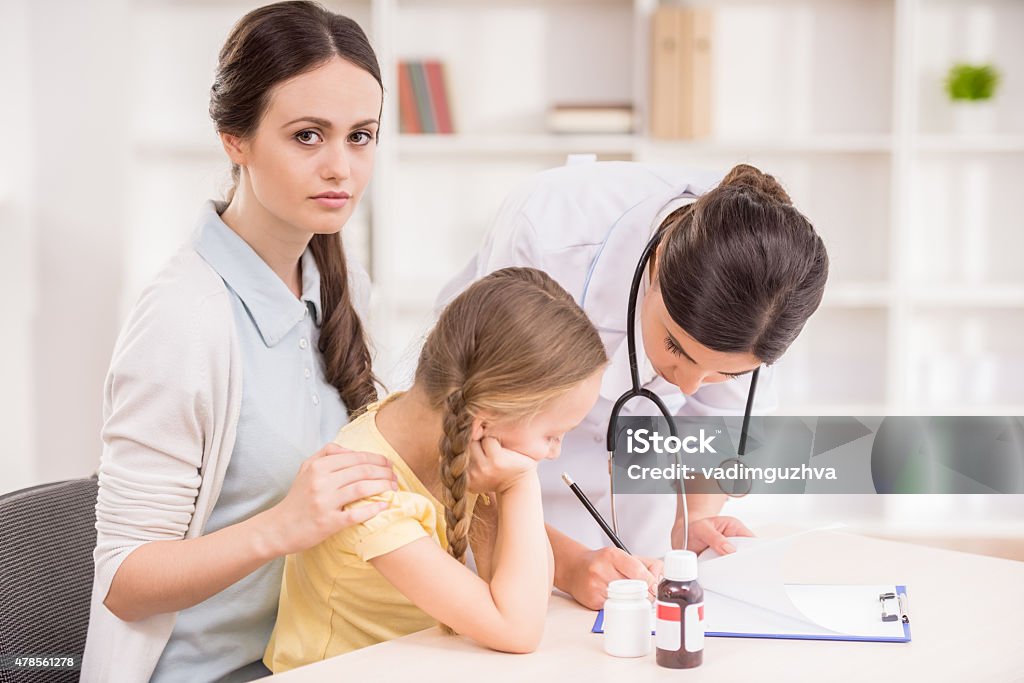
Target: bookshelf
(840, 99)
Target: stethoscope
(742, 487)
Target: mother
(241, 359)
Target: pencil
(593, 512)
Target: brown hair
(510, 343)
(267, 46)
(741, 270)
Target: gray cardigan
(170, 407)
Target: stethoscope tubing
(636, 391)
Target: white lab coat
(586, 226)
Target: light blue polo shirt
(288, 412)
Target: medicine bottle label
(668, 632)
(694, 630)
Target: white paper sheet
(753, 575)
(746, 593)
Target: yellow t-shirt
(332, 599)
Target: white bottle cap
(627, 589)
(680, 565)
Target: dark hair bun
(745, 175)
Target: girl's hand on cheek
(495, 468)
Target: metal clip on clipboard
(901, 614)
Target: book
(423, 102)
(438, 91)
(680, 97)
(591, 118)
(409, 120)
(419, 87)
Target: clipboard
(868, 613)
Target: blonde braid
(457, 425)
(511, 342)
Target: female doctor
(736, 273)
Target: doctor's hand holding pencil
(587, 575)
(586, 579)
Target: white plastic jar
(627, 619)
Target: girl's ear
(234, 147)
(483, 423)
(479, 427)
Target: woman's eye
(308, 137)
(672, 348)
(361, 137)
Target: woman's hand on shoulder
(327, 482)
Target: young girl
(511, 366)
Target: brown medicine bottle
(680, 611)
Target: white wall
(76, 65)
(17, 269)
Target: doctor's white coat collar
(616, 379)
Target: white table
(966, 620)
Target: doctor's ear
(235, 147)
(653, 268)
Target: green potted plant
(971, 88)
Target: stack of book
(680, 99)
(590, 118)
(423, 98)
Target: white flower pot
(973, 117)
